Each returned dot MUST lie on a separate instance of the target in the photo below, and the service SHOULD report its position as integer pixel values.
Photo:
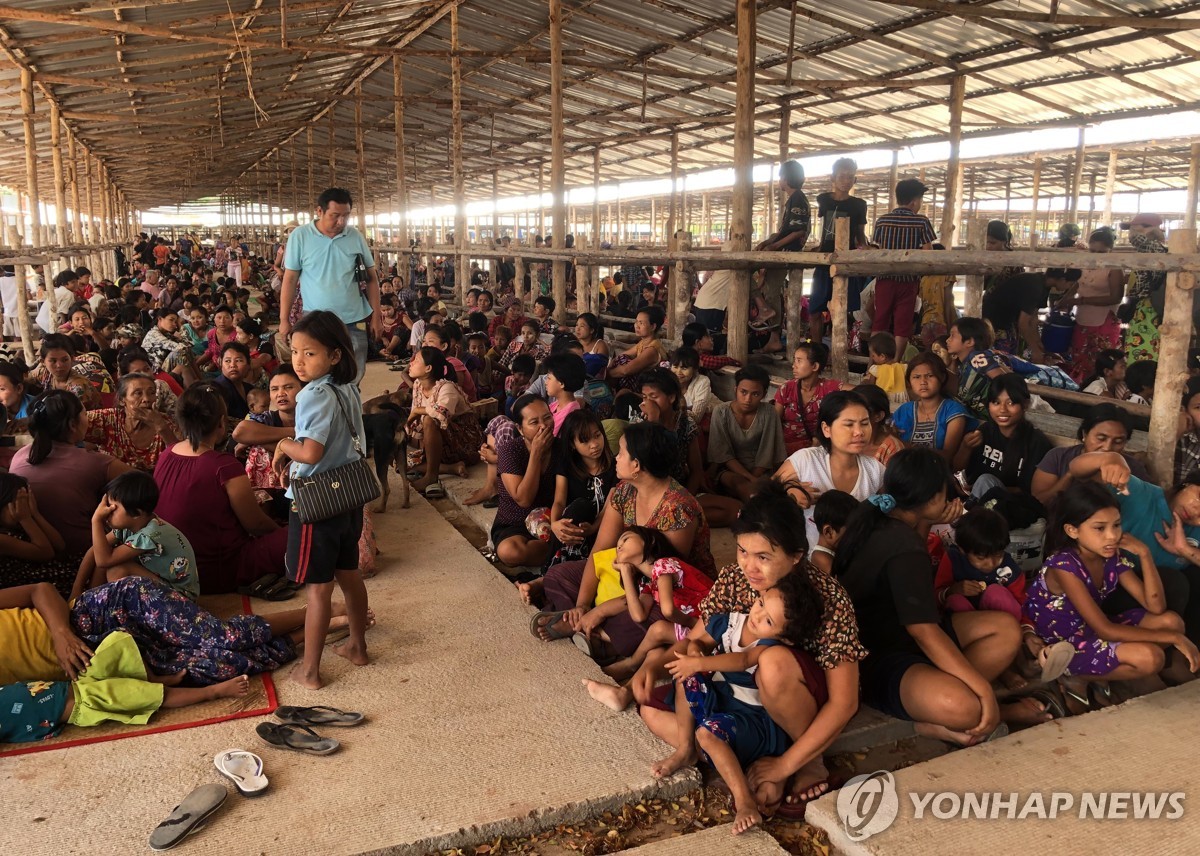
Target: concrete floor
(1143, 745)
(476, 730)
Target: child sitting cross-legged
(139, 543)
(832, 510)
(651, 574)
(115, 687)
(717, 710)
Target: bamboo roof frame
(166, 95)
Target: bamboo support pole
(1175, 334)
(308, 162)
(738, 315)
(1076, 189)
(60, 186)
(1110, 186)
(558, 176)
(583, 289)
(76, 214)
(34, 233)
(462, 266)
(332, 150)
(681, 297)
(401, 178)
(839, 336)
(24, 323)
(953, 193)
(594, 270)
(1189, 213)
(1035, 201)
(541, 205)
(675, 284)
(360, 156)
(973, 300)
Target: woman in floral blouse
(133, 432)
(811, 693)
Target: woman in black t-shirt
(923, 667)
(1005, 450)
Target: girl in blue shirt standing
(319, 553)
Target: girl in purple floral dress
(1090, 559)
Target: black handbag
(327, 494)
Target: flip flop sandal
(318, 715)
(1051, 701)
(489, 554)
(260, 585)
(283, 590)
(244, 769)
(999, 731)
(491, 502)
(300, 738)
(551, 618)
(188, 817)
(795, 811)
(1055, 660)
(435, 491)
(583, 643)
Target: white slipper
(1055, 660)
(244, 769)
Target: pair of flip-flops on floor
(245, 769)
(272, 587)
(295, 728)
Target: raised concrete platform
(1143, 745)
(870, 728)
(718, 839)
(476, 730)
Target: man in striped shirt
(903, 229)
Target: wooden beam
(398, 134)
(738, 313)
(1189, 212)
(1104, 22)
(839, 336)
(24, 324)
(360, 155)
(953, 194)
(1175, 335)
(60, 187)
(462, 267)
(1076, 189)
(76, 214)
(558, 176)
(1037, 185)
(31, 174)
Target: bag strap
(349, 422)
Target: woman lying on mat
(42, 640)
(115, 687)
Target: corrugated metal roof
(147, 104)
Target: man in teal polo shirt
(325, 252)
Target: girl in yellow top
(884, 372)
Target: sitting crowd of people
(875, 523)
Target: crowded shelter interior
(598, 425)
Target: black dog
(387, 443)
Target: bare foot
(531, 590)
(484, 493)
(677, 760)
(941, 732)
(1013, 680)
(420, 484)
(308, 681)
(614, 698)
(1024, 712)
(809, 782)
(622, 670)
(459, 469)
(232, 688)
(746, 819)
(356, 654)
